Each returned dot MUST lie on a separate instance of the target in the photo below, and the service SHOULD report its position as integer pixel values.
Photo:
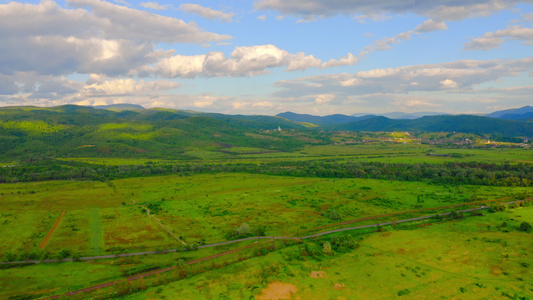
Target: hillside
(514, 111)
(325, 120)
(461, 123)
(73, 131)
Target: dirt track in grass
(104, 285)
(49, 234)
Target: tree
(525, 226)
(244, 229)
(122, 286)
(327, 248)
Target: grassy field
(468, 259)
(382, 152)
(474, 258)
(105, 218)
(96, 240)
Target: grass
(101, 217)
(468, 259)
(461, 259)
(96, 239)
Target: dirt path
(161, 224)
(49, 234)
(143, 275)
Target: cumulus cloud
(324, 98)
(128, 23)
(386, 43)
(431, 25)
(125, 87)
(449, 84)
(492, 40)
(155, 5)
(206, 12)
(108, 39)
(406, 102)
(435, 9)
(462, 75)
(243, 61)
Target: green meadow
(106, 217)
(475, 258)
(210, 178)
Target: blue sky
(269, 56)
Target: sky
(265, 57)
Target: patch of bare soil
(277, 290)
(317, 274)
(338, 286)
(496, 270)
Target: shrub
(525, 226)
(327, 248)
(404, 292)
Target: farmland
(62, 206)
(105, 218)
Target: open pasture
(106, 218)
(475, 258)
(378, 152)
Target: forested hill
(461, 123)
(80, 131)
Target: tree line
(454, 173)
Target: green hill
(77, 131)
(461, 123)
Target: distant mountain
(461, 123)
(514, 111)
(402, 115)
(120, 107)
(325, 120)
(527, 117)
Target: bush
(525, 226)
(404, 292)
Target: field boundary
(161, 224)
(51, 231)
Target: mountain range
(129, 131)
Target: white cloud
(463, 76)
(244, 61)
(155, 5)
(125, 87)
(262, 18)
(431, 25)
(324, 98)
(109, 39)
(406, 102)
(484, 43)
(492, 40)
(348, 60)
(449, 84)
(206, 12)
(128, 23)
(435, 9)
